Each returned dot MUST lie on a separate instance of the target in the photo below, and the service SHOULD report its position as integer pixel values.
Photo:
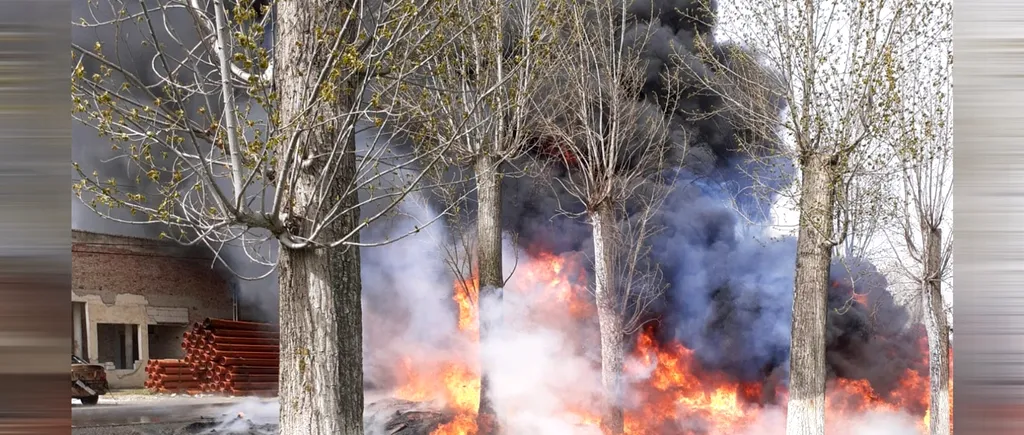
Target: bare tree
(862, 217)
(832, 57)
(229, 139)
(922, 141)
(477, 98)
(862, 209)
(618, 151)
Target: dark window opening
(118, 343)
(165, 341)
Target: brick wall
(149, 283)
(165, 274)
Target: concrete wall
(125, 280)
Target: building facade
(133, 298)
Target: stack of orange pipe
(234, 357)
(171, 376)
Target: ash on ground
(403, 417)
(383, 417)
(240, 426)
(203, 426)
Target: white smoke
(540, 378)
(882, 423)
(540, 373)
(543, 378)
(407, 292)
(249, 416)
(772, 421)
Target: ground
(138, 412)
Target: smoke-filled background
(729, 284)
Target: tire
(90, 400)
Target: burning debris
(404, 417)
(714, 359)
(672, 388)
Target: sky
(785, 215)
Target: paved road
(163, 415)
(149, 411)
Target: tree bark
(937, 329)
(806, 408)
(321, 380)
(489, 269)
(609, 318)
(321, 360)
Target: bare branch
(193, 116)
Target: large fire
(669, 385)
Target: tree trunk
(321, 377)
(489, 268)
(609, 318)
(938, 333)
(321, 380)
(806, 408)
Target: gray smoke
(730, 286)
(129, 45)
(773, 422)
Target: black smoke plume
(729, 285)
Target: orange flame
(462, 385)
(462, 424)
(466, 293)
(672, 386)
(462, 388)
(677, 387)
(416, 388)
(861, 298)
(557, 282)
